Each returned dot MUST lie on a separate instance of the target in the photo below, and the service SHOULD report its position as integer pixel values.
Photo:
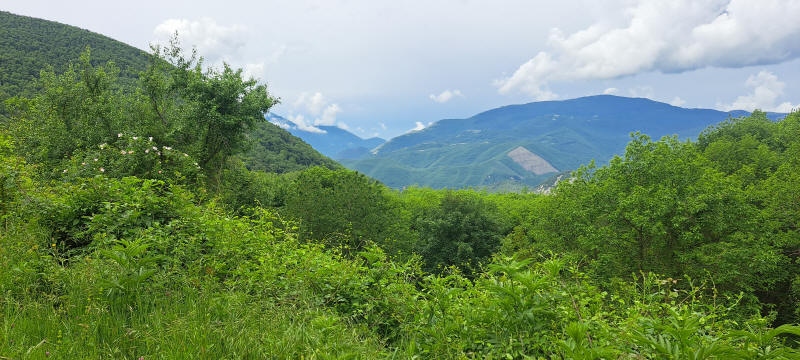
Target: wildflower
(122, 152)
(135, 138)
(158, 152)
(167, 148)
(130, 151)
(83, 164)
(195, 164)
(53, 244)
(155, 148)
(46, 353)
(102, 170)
(146, 151)
(103, 145)
(65, 171)
(95, 159)
(184, 154)
(159, 171)
(119, 135)
(150, 139)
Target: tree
(207, 112)
(341, 208)
(78, 109)
(463, 230)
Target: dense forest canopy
(131, 227)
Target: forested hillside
(131, 228)
(29, 46)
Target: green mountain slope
(28, 45)
(560, 135)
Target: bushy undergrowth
(115, 245)
(132, 268)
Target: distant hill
(276, 150)
(333, 141)
(28, 45)
(527, 144)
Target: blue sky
(386, 67)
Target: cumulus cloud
(677, 101)
(301, 124)
(419, 125)
(610, 91)
(665, 36)
(766, 91)
(318, 107)
(446, 96)
(644, 91)
(213, 41)
(216, 43)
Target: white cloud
(610, 91)
(301, 124)
(318, 107)
(644, 91)
(383, 126)
(255, 71)
(343, 126)
(766, 92)
(419, 126)
(677, 101)
(313, 103)
(446, 96)
(328, 115)
(665, 36)
(214, 42)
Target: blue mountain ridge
(333, 142)
(457, 153)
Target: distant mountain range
(332, 141)
(527, 144)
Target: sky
(384, 68)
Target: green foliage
(28, 45)
(112, 247)
(275, 150)
(215, 109)
(210, 114)
(75, 110)
(682, 208)
(161, 276)
(341, 208)
(460, 229)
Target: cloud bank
(665, 36)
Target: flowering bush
(134, 156)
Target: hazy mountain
(527, 143)
(332, 141)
